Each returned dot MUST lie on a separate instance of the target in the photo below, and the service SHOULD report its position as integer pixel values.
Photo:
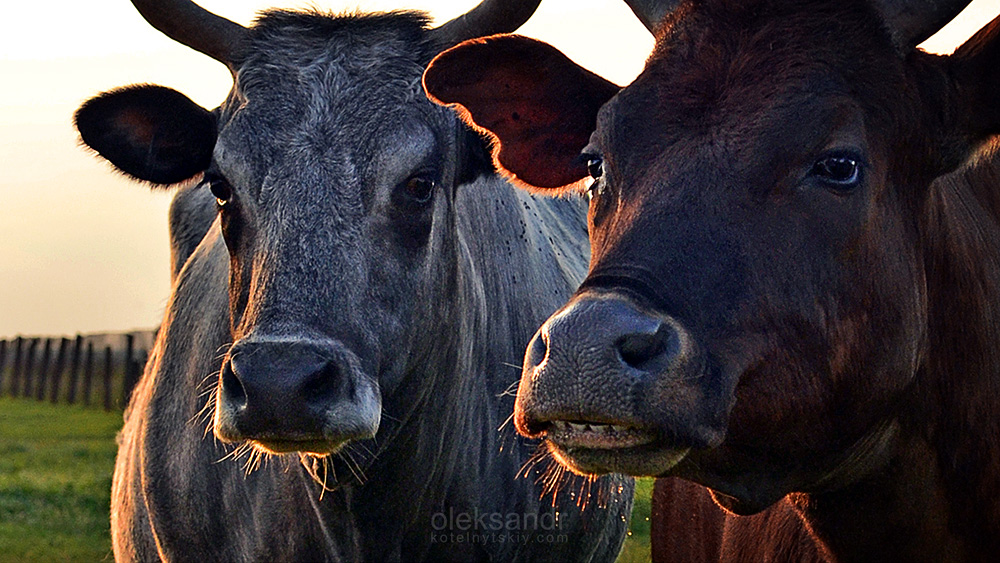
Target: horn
(489, 17)
(911, 22)
(652, 12)
(193, 26)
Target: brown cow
(781, 299)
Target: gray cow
(359, 304)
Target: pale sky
(84, 250)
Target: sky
(83, 249)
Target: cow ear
(975, 67)
(539, 106)
(973, 72)
(150, 133)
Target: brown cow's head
(756, 302)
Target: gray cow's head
(334, 178)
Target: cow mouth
(314, 447)
(595, 436)
(589, 448)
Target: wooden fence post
(74, 369)
(15, 378)
(132, 375)
(29, 367)
(3, 363)
(57, 373)
(43, 371)
(88, 373)
(128, 375)
(108, 368)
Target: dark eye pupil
(220, 189)
(595, 167)
(420, 189)
(837, 169)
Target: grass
(55, 481)
(55, 484)
(636, 548)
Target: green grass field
(55, 483)
(636, 549)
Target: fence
(92, 370)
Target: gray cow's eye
(219, 187)
(420, 188)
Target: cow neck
(441, 400)
(870, 453)
(937, 499)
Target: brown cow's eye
(420, 189)
(840, 172)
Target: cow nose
(587, 361)
(640, 343)
(295, 396)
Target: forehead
(310, 83)
(737, 68)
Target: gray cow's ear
(150, 133)
(540, 106)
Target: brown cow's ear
(962, 94)
(975, 68)
(540, 106)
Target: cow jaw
(646, 458)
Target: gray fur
(327, 118)
(192, 212)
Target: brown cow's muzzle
(295, 395)
(614, 388)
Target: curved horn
(913, 21)
(487, 18)
(191, 25)
(652, 12)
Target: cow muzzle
(294, 395)
(614, 388)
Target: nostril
(535, 428)
(232, 388)
(323, 384)
(537, 350)
(643, 351)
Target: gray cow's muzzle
(295, 395)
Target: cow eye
(420, 188)
(595, 167)
(840, 172)
(220, 188)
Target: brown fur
(840, 343)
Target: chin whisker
(353, 465)
(511, 390)
(506, 422)
(555, 479)
(319, 468)
(205, 413)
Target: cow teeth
(595, 428)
